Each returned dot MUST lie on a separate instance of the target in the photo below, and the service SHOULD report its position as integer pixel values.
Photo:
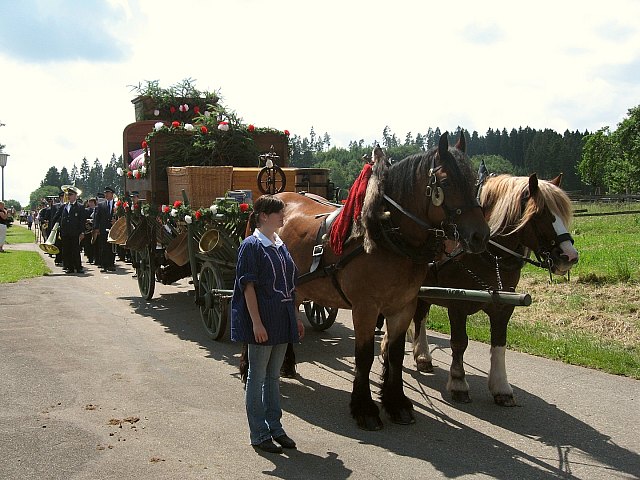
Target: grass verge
(554, 342)
(19, 234)
(16, 265)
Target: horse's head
(451, 196)
(539, 212)
(433, 193)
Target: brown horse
(525, 215)
(409, 208)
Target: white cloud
(347, 68)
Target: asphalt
(96, 383)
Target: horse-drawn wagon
(189, 212)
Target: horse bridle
(435, 193)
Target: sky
(348, 68)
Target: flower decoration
(158, 126)
(286, 132)
(188, 219)
(144, 144)
(173, 212)
(177, 204)
(196, 109)
(243, 207)
(119, 171)
(175, 124)
(188, 127)
(251, 128)
(224, 126)
(172, 109)
(156, 112)
(184, 108)
(198, 214)
(204, 129)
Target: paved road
(98, 384)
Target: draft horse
(409, 208)
(525, 215)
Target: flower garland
(208, 134)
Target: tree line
(607, 161)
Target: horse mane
(399, 181)
(501, 199)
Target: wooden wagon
(167, 248)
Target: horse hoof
(403, 417)
(369, 423)
(461, 396)
(424, 366)
(504, 400)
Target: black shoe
(80, 270)
(269, 446)
(285, 441)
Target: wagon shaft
(508, 298)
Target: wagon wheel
(213, 309)
(320, 317)
(146, 271)
(272, 180)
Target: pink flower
(184, 108)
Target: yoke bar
(508, 298)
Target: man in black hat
(102, 222)
(71, 216)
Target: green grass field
(16, 265)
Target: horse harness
(393, 239)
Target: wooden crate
(202, 184)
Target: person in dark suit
(72, 217)
(88, 246)
(103, 220)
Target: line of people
(81, 227)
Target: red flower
(196, 109)
(129, 174)
(286, 132)
(126, 205)
(138, 175)
(203, 129)
(144, 144)
(175, 124)
(198, 214)
(244, 207)
(136, 206)
(165, 209)
(177, 204)
(118, 203)
(172, 109)
(251, 128)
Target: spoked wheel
(213, 309)
(320, 317)
(146, 271)
(272, 180)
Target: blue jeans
(262, 392)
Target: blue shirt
(271, 269)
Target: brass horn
(209, 241)
(48, 246)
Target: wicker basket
(202, 184)
(141, 236)
(118, 232)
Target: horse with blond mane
(525, 215)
